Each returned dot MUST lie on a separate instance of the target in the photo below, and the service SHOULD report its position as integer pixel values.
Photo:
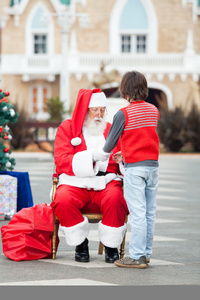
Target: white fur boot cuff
(76, 234)
(111, 236)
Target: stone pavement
(175, 260)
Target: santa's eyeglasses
(96, 110)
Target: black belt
(102, 173)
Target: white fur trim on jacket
(76, 234)
(82, 164)
(95, 182)
(111, 236)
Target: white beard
(95, 126)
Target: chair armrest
(55, 179)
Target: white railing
(126, 61)
(38, 62)
(90, 63)
(21, 64)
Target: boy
(137, 125)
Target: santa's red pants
(71, 201)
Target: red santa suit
(80, 185)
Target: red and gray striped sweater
(139, 139)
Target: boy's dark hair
(133, 85)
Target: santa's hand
(109, 177)
(100, 155)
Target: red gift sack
(28, 235)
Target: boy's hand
(117, 157)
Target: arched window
(133, 27)
(39, 33)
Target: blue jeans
(140, 190)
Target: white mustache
(98, 119)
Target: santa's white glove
(100, 155)
(109, 177)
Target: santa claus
(88, 177)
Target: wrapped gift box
(8, 195)
(2, 216)
(24, 194)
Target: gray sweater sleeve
(115, 131)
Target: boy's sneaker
(128, 262)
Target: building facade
(52, 48)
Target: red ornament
(0, 90)
(7, 93)
(5, 137)
(6, 150)
(3, 100)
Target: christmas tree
(7, 114)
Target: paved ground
(176, 251)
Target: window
(40, 44)
(34, 101)
(133, 28)
(39, 94)
(141, 44)
(126, 43)
(133, 43)
(44, 100)
(39, 32)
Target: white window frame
(133, 43)
(141, 43)
(30, 32)
(151, 33)
(40, 114)
(40, 35)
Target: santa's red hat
(85, 99)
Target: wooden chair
(92, 218)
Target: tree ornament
(12, 112)
(7, 93)
(4, 108)
(3, 100)
(7, 128)
(8, 164)
(7, 114)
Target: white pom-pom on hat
(76, 141)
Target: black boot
(111, 254)
(82, 252)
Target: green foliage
(22, 135)
(7, 114)
(6, 162)
(176, 129)
(193, 128)
(55, 108)
(171, 129)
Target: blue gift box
(24, 194)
